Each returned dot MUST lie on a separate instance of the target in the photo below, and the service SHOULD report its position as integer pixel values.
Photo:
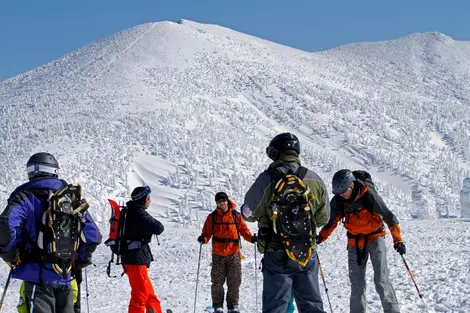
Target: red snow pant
(143, 298)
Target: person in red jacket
(225, 226)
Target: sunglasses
(221, 201)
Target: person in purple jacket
(46, 291)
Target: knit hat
(139, 194)
(220, 196)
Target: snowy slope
(189, 108)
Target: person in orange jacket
(363, 213)
(225, 226)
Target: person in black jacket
(140, 226)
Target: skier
(139, 228)
(45, 290)
(364, 212)
(225, 226)
(282, 276)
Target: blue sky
(35, 32)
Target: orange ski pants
(143, 298)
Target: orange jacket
(368, 213)
(225, 239)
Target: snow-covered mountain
(189, 108)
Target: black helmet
(282, 143)
(341, 181)
(42, 164)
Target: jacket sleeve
(93, 239)
(256, 198)
(207, 228)
(244, 230)
(320, 201)
(335, 218)
(12, 222)
(149, 225)
(380, 208)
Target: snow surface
(189, 108)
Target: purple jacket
(19, 226)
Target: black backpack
(292, 216)
(60, 229)
(364, 177)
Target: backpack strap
(235, 215)
(301, 172)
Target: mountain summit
(206, 100)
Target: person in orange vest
(225, 226)
(363, 213)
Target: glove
(201, 239)
(254, 239)
(318, 240)
(12, 257)
(400, 247)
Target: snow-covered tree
(465, 198)
(423, 202)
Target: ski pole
(197, 276)
(324, 282)
(87, 294)
(414, 282)
(256, 281)
(6, 287)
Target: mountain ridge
(170, 89)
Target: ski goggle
(41, 168)
(142, 194)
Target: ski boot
(219, 310)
